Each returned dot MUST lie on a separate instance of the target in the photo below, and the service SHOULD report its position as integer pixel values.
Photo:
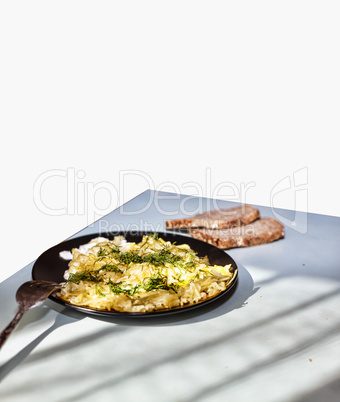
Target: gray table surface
(277, 338)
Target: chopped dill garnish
(154, 282)
(103, 252)
(87, 276)
(99, 290)
(159, 281)
(111, 268)
(130, 257)
(161, 257)
(156, 258)
(117, 288)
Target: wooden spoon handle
(8, 330)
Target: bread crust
(262, 231)
(217, 219)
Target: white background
(188, 96)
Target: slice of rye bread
(261, 231)
(217, 219)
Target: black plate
(51, 267)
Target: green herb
(117, 288)
(99, 290)
(157, 282)
(161, 257)
(111, 268)
(190, 264)
(87, 276)
(104, 252)
(156, 258)
(130, 257)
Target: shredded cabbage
(140, 277)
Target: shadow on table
(327, 393)
(62, 319)
(236, 298)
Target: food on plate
(217, 219)
(153, 274)
(261, 231)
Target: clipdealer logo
(79, 196)
(295, 186)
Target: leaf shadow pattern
(236, 298)
(329, 392)
(267, 363)
(222, 338)
(61, 319)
